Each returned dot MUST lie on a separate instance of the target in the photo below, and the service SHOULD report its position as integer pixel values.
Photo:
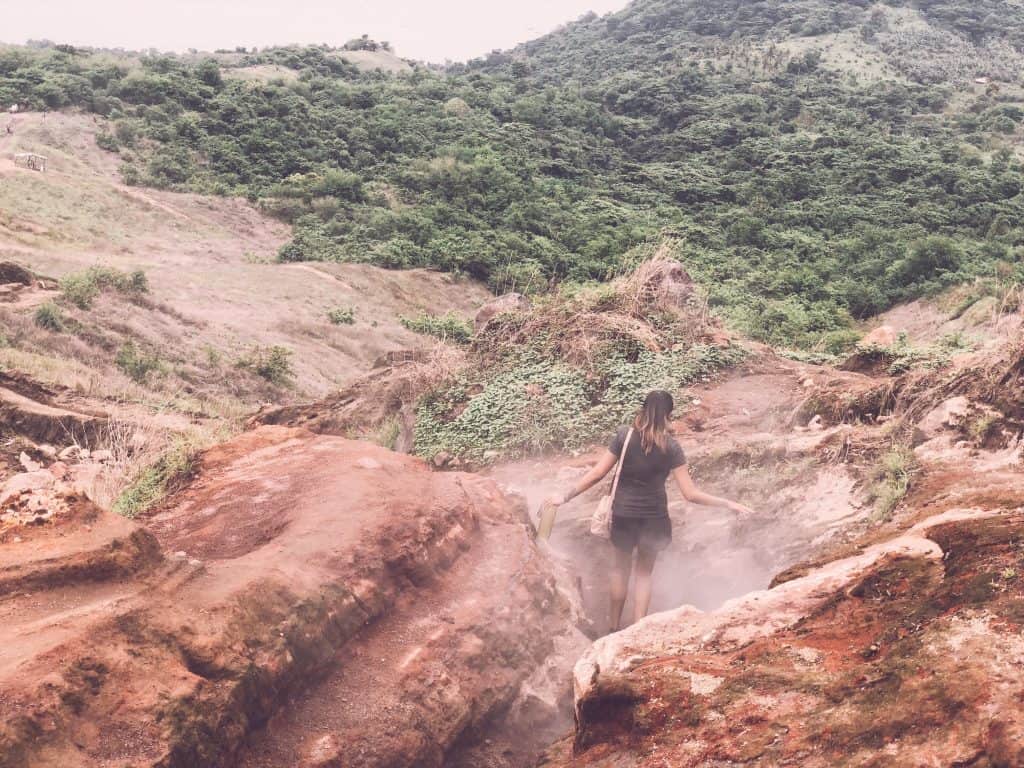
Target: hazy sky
(421, 29)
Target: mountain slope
(813, 168)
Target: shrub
(840, 342)
(342, 316)
(448, 327)
(136, 364)
(270, 363)
(50, 317)
(108, 142)
(82, 288)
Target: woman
(640, 520)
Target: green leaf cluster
(532, 403)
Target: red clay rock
(405, 590)
(901, 647)
(882, 336)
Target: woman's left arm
(599, 470)
(693, 494)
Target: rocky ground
(897, 645)
(348, 603)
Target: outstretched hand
(742, 512)
(555, 501)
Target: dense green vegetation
(571, 368)
(803, 197)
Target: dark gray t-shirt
(641, 490)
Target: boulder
(59, 470)
(69, 453)
(949, 414)
(15, 273)
(509, 302)
(28, 464)
(882, 336)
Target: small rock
(367, 463)
(181, 554)
(195, 563)
(28, 464)
(442, 459)
(18, 539)
(103, 456)
(71, 452)
(84, 454)
(48, 451)
(808, 383)
(816, 423)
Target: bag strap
(622, 459)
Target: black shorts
(650, 534)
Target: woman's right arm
(592, 478)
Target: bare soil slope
(209, 260)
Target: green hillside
(816, 161)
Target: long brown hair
(652, 420)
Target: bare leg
(619, 582)
(642, 585)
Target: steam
(713, 556)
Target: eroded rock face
(900, 647)
(905, 652)
(294, 559)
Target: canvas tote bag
(601, 520)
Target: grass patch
(82, 288)
(156, 481)
(273, 364)
(387, 435)
(890, 480)
(573, 367)
(534, 403)
(902, 356)
(49, 317)
(447, 327)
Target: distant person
(640, 521)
